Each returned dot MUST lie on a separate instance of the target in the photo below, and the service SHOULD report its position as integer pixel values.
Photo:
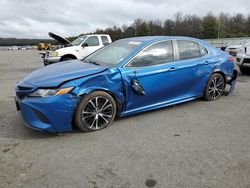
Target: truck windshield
(113, 54)
(79, 40)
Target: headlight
(241, 51)
(50, 92)
(53, 54)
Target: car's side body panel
(163, 84)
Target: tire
(66, 58)
(46, 63)
(215, 87)
(96, 111)
(245, 70)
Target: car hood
(60, 39)
(55, 74)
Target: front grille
(233, 53)
(23, 91)
(47, 54)
(246, 61)
(24, 88)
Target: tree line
(23, 42)
(206, 27)
(210, 26)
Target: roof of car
(151, 39)
(96, 35)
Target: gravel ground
(196, 144)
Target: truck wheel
(66, 58)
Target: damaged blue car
(127, 77)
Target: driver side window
(156, 54)
(91, 41)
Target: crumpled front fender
(109, 81)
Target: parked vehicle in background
(234, 48)
(78, 49)
(22, 47)
(129, 76)
(243, 59)
(44, 46)
(13, 48)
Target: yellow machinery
(44, 46)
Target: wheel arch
(221, 73)
(68, 55)
(118, 102)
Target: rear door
(193, 65)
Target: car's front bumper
(243, 60)
(49, 60)
(50, 114)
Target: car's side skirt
(158, 105)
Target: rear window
(105, 40)
(188, 49)
(203, 51)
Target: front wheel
(96, 111)
(215, 87)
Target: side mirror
(138, 89)
(85, 45)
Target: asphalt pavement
(195, 144)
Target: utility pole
(219, 27)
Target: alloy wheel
(216, 87)
(97, 112)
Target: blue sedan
(127, 77)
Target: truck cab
(78, 49)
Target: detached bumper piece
(232, 82)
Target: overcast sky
(35, 18)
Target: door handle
(206, 62)
(171, 69)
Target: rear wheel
(215, 87)
(96, 111)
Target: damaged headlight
(50, 92)
(53, 54)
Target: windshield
(113, 54)
(79, 40)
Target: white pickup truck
(78, 49)
(243, 59)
